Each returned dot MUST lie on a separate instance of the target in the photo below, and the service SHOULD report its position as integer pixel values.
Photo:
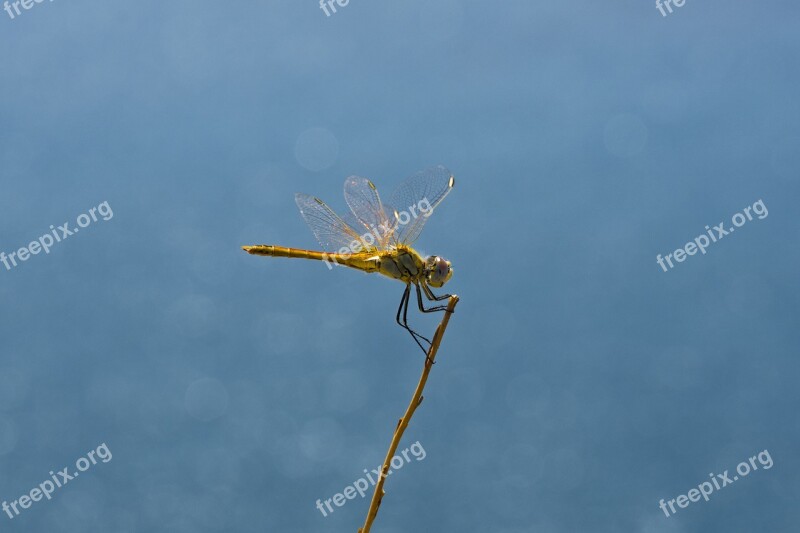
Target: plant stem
(416, 399)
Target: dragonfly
(377, 237)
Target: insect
(377, 237)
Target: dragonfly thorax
(405, 264)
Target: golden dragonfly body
(403, 263)
(387, 232)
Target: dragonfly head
(437, 271)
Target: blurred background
(578, 383)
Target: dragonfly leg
(422, 307)
(433, 297)
(404, 324)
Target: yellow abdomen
(402, 263)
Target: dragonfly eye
(439, 271)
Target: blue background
(578, 383)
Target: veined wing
(416, 198)
(364, 201)
(330, 230)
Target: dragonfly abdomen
(403, 264)
(361, 261)
(282, 251)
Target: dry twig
(377, 496)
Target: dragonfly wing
(372, 240)
(364, 201)
(331, 231)
(414, 201)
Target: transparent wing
(414, 201)
(364, 201)
(373, 239)
(332, 232)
